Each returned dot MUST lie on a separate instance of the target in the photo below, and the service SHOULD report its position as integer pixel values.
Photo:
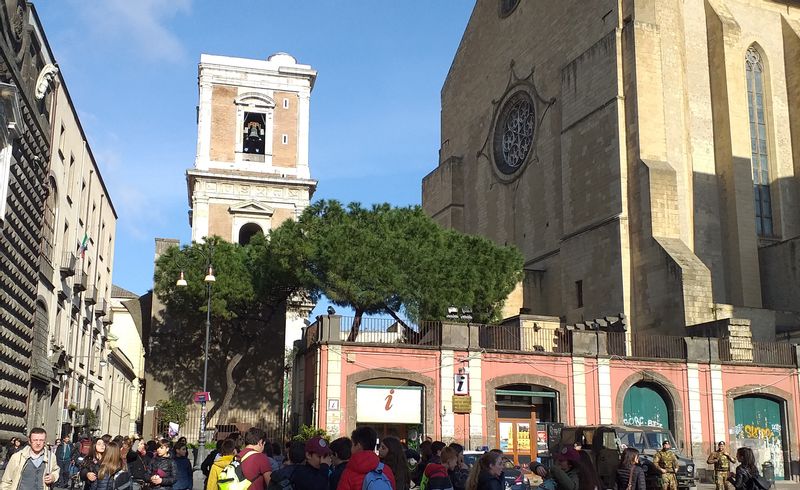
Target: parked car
(605, 444)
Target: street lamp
(210, 279)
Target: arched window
(758, 141)
(247, 232)
(647, 404)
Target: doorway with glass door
(524, 415)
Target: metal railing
(525, 338)
(101, 308)
(389, 331)
(90, 296)
(758, 353)
(68, 263)
(81, 280)
(658, 346)
(617, 344)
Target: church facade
(642, 154)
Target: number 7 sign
(461, 384)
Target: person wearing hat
(313, 474)
(563, 475)
(721, 460)
(667, 463)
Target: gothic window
(758, 142)
(253, 132)
(514, 132)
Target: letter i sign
(461, 384)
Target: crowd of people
(360, 461)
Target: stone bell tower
(251, 172)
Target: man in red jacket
(362, 460)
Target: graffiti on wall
(644, 406)
(758, 426)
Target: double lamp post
(209, 280)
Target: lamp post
(209, 280)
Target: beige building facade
(124, 384)
(642, 154)
(79, 230)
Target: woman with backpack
(393, 455)
(630, 476)
(746, 474)
(226, 453)
(162, 471)
(111, 474)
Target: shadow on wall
(175, 360)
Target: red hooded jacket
(357, 468)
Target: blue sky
(131, 68)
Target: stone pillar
(604, 390)
(718, 403)
(695, 407)
(476, 417)
(579, 390)
(446, 383)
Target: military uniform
(722, 467)
(667, 461)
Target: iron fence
(525, 338)
(617, 344)
(270, 422)
(758, 353)
(389, 331)
(658, 346)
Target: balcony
(81, 281)
(90, 295)
(101, 308)
(108, 318)
(68, 263)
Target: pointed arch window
(758, 142)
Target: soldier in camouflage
(667, 463)
(722, 466)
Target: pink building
(509, 385)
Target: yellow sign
(462, 404)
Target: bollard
(768, 471)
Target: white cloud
(138, 22)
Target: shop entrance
(392, 407)
(514, 439)
(524, 414)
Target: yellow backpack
(232, 476)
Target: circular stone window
(507, 6)
(513, 133)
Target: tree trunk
(230, 388)
(355, 326)
(410, 336)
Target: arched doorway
(247, 232)
(524, 412)
(648, 404)
(760, 424)
(393, 407)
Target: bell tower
(251, 171)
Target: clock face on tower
(513, 133)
